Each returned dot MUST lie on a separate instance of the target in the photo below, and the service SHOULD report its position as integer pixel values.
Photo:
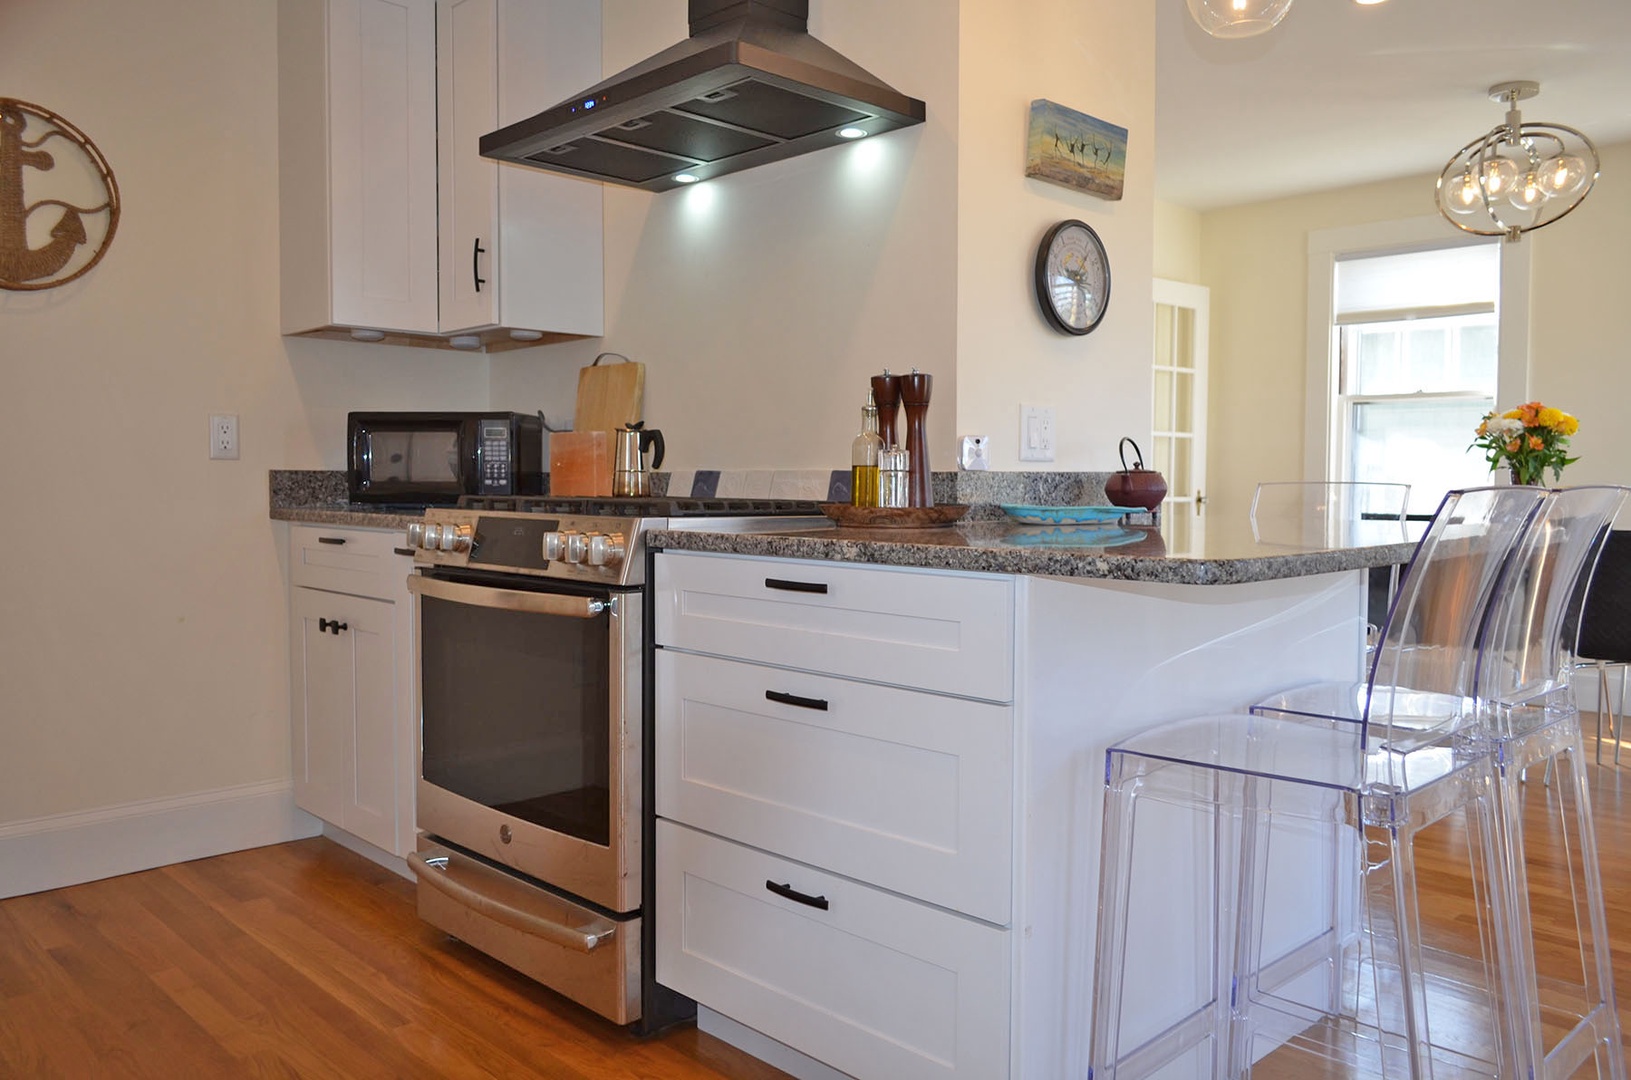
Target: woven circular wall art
(59, 204)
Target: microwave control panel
(493, 458)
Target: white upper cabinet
(520, 248)
(390, 218)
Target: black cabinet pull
(794, 699)
(403, 551)
(325, 625)
(331, 539)
(795, 586)
(802, 898)
(475, 264)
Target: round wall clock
(1072, 277)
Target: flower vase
(1513, 469)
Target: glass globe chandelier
(1519, 176)
(1237, 18)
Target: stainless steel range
(532, 652)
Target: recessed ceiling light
(686, 178)
(851, 133)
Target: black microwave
(431, 458)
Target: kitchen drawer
(950, 633)
(877, 986)
(362, 562)
(899, 788)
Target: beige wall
(142, 625)
(1177, 242)
(1254, 258)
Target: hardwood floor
(299, 960)
(305, 960)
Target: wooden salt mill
(914, 394)
(886, 395)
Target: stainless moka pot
(630, 473)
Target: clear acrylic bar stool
(1317, 513)
(1525, 681)
(1605, 633)
(1257, 879)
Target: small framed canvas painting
(1075, 150)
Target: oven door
(528, 695)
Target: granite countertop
(319, 498)
(1117, 552)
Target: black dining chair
(1605, 631)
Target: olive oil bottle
(863, 458)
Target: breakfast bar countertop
(1115, 552)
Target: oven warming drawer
(578, 952)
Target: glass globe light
(1237, 18)
(1562, 175)
(1461, 195)
(1528, 193)
(1499, 175)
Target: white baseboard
(795, 1063)
(68, 849)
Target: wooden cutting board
(609, 396)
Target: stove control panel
(578, 547)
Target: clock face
(1072, 277)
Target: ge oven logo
(59, 204)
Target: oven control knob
(457, 538)
(576, 546)
(431, 537)
(416, 534)
(605, 549)
(554, 547)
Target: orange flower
(1512, 447)
(1536, 442)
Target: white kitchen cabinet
(520, 248)
(351, 694)
(834, 777)
(388, 213)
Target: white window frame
(1322, 451)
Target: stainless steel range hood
(750, 86)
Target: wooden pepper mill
(886, 395)
(914, 394)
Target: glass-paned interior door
(1178, 426)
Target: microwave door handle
(530, 603)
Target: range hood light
(748, 87)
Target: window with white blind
(1416, 343)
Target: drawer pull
(403, 551)
(796, 586)
(794, 699)
(331, 539)
(325, 625)
(793, 894)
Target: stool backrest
(1319, 513)
(1433, 631)
(1605, 609)
(1522, 657)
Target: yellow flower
(1566, 425)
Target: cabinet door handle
(325, 625)
(796, 586)
(331, 539)
(403, 551)
(475, 264)
(797, 897)
(794, 699)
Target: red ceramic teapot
(1136, 486)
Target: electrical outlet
(1036, 433)
(224, 437)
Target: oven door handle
(530, 603)
(434, 872)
